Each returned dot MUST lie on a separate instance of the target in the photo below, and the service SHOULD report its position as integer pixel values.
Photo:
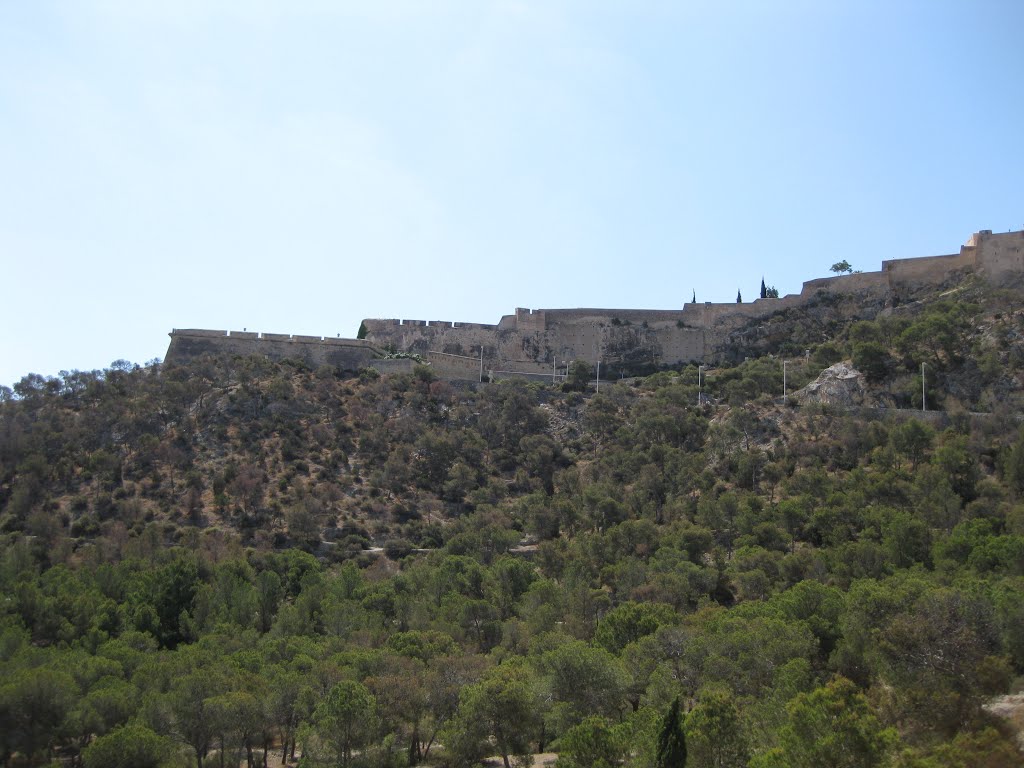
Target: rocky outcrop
(840, 384)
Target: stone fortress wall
(532, 341)
(347, 354)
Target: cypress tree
(739, 297)
(694, 299)
(671, 740)
(764, 290)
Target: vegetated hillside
(217, 560)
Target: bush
(396, 549)
(130, 746)
(872, 359)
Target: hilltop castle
(533, 343)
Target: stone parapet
(530, 340)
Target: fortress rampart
(530, 341)
(347, 354)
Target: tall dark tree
(739, 297)
(764, 289)
(694, 299)
(671, 740)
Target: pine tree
(671, 740)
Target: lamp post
(699, 369)
(784, 362)
(923, 406)
(598, 388)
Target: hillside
(231, 555)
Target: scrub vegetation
(238, 561)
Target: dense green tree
(591, 744)
(1013, 466)
(583, 680)
(941, 654)
(581, 373)
(715, 736)
(872, 359)
(832, 727)
(954, 458)
(171, 594)
(502, 708)
(289, 700)
(819, 606)
(671, 750)
(344, 720)
(628, 622)
(33, 705)
(985, 749)
(189, 701)
(268, 597)
(129, 746)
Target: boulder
(840, 384)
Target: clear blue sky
(296, 166)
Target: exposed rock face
(839, 384)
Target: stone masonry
(533, 342)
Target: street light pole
(699, 369)
(923, 406)
(598, 390)
(784, 362)
(481, 363)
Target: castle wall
(636, 316)
(454, 366)
(643, 335)
(530, 319)
(528, 341)
(202, 332)
(998, 255)
(347, 354)
(528, 371)
(396, 365)
(420, 337)
(682, 344)
(928, 270)
(858, 282)
(714, 313)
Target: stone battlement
(350, 354)
(531, 340)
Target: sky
(295, 167)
